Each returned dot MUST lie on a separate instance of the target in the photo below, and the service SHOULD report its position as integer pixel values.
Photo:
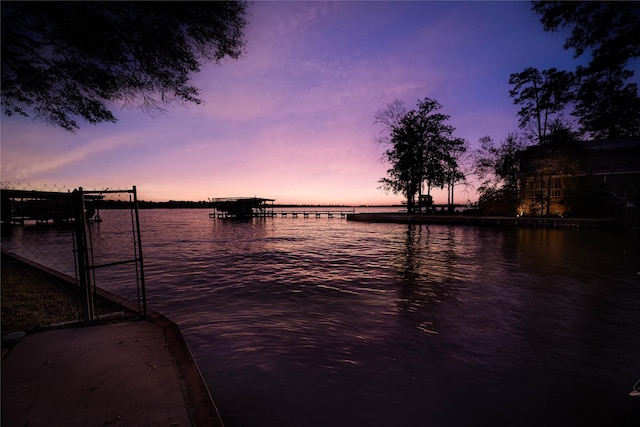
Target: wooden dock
(314, 213)
(290, 214)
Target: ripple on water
(392, 324)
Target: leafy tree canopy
(543, 97)
(606, 105)
(608, 28)
(421, 148)
(67, 60)
(605, 102)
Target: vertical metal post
(142, 285)
(86, 300)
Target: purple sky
(293, 118)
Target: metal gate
(89, 261)
(104, 254)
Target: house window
(556, 187)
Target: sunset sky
(293, 118)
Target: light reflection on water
(327, 322)
(314, 322)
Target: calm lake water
(326, 322)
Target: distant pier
(285, 214)
(314, 213)
(255, 207)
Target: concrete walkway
(135, 373)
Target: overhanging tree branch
(64, 61)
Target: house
(598, 178)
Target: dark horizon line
(145, 204)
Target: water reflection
(513, 306)
(327, 322)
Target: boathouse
(241, 207)
(46, 207)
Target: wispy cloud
(21, 167)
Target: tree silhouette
(496, 165)
(67, 60)
(454, 173)
(608, 29)
(606, 105)
(421, 149)
(542, 96)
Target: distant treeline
(181, 204)
(171, 204)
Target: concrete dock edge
(197, 397)
(202, 409)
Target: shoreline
(494, 221)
